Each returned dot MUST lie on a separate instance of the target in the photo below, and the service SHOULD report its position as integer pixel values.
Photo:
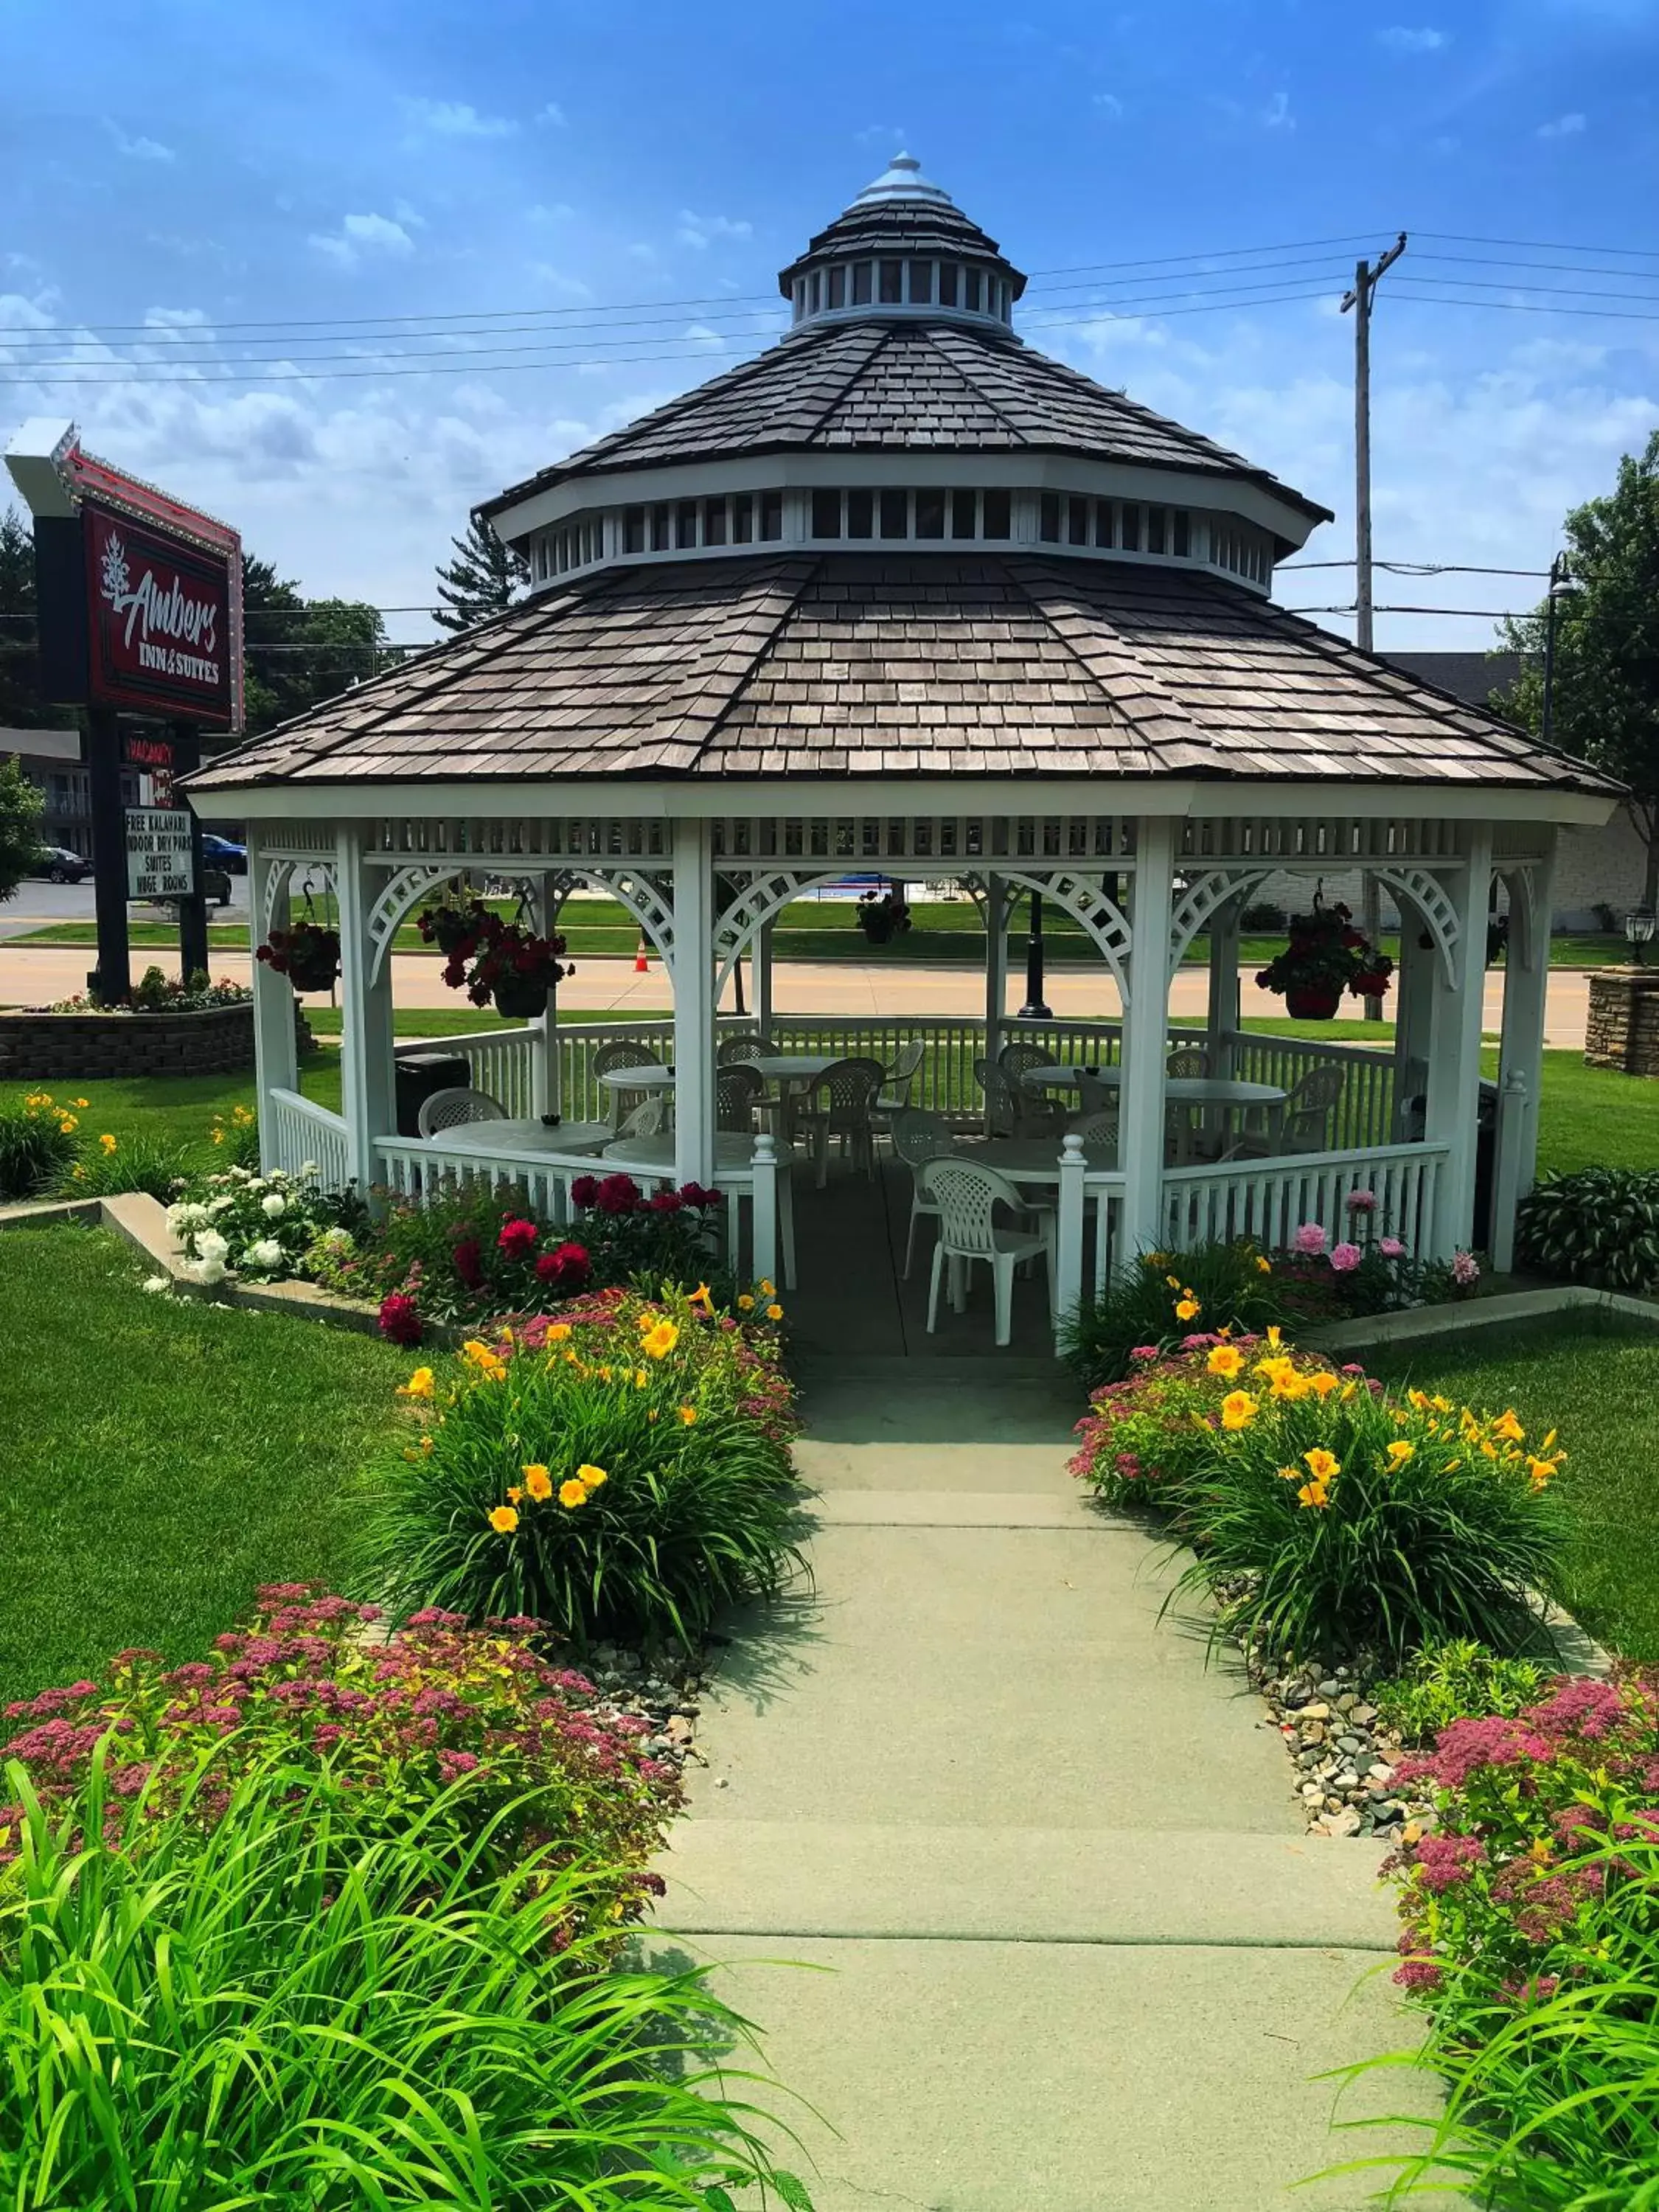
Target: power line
(1541, 244)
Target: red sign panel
(160, 637)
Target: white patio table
(584, 1137)
(1179, 1090)
(645, 1075)
(794, 1073)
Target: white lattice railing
(1363, 1117)
(298, 1133)
(1269, 1200)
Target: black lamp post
(1034, 1009)
(1639, 928)
(1561, 587)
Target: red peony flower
(667, 1202)
(400, 1319)
(697, 1194)
(517, 1239)
(469, 1264)
(584, 1190)
(617, 1194)
(568, 1268)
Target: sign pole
(110, 981)
(192, 911)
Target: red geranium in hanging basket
(308, 954)
(1325, 957)
(495, 960)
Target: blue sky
(616, 188)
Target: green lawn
(1600, 1388)
(942, 930)
(163, 1457)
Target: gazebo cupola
(903, 249)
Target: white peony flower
(308, 1168)
(272, 1204)
(207, 1272)
(216, 1206)
(158, 1282)
(337, 1240)
(267, 1253)
(211, 1247)
(182, 1218)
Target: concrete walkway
(1013, 1884)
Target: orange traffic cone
(641, 964)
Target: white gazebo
(902, 596)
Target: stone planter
(41, 1048)
(1622, 1028)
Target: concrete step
(938, 1467)
(1122, 1886)
(972, 1509)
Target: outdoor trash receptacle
(421, 1074)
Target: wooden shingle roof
(917, 384)
(796, 664)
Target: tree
(1605, 705)
(22, 706)
(298, 652)
(20, 825)
(484, 579)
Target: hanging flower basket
(1325, 957)
(308, 954)
(494, 961)
(881, 916)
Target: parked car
(59, 865)
(215, 889)
(224, 853)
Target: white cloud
(553, 114)
(1565, 126)
(878, 134)
(361, 234)
(1276, 115)
(700, 334)
(1399, 38)
(454, 119)
(554, 280)
(1109, 106)
(551, 211)
(698, 230)
(139, 150)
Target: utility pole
(1366, 277)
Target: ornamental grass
(620, 1469)
(275, 2008)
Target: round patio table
(490, 1137)
(645, 1075)
(1179, 1090)
(794, 1067)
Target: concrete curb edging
(1510, 1308)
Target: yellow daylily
(1224, 1359)
(503, 1520)
(1238, 1409)
(572, 1494)
(537, 1481)
(1321, 1464)
(421, 1384)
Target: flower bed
(1531, 1936)
(620, 1466)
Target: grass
(164, 1458)
(1595, 1383)
(943, 931)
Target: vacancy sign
(159, 854)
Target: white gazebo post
(1454, 1022)
(1413, 992)
(760, 977)
(276, 1049)
(367, 1097)
(694, 1004)
(1521, 1053)
(544, 1046)
(1224, 985)
(1145, 1040)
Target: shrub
(262, 1227)
(1219, 1286)
(142, 1162)
(1257, 919)
(624, 1470)
(1358, 1524)
(1598, 1226)
(1531, 1934)
(1145, 1440)
(394, 1721)
(39, 1144)
(481, 1255)
(276, 2008)
(1452, 1681)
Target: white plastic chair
(1099, 1134)
(612, 1057)
(447, 1109)
(1304, 1118)
(1094, 1097)
(1189, 1061)
(749, 1046)
(1010, 1110)
(920, 1137)
(895, 1098)
(848, 1090)
(648, 1118)
(968, 1196)
(739, 1090)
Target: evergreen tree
(482, 579)
(1605, 695)
(22, 707)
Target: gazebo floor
(854, 1304)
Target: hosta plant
(1598, 1226)
(623, 1467)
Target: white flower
(207, 1272)
(308, 1168)
(221, 1205)
(267, 1253)
(336, 1240)
(182, 1218)
(272, 1204)
(158, 1282)
(211, 1247)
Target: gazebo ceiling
(797, 664)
